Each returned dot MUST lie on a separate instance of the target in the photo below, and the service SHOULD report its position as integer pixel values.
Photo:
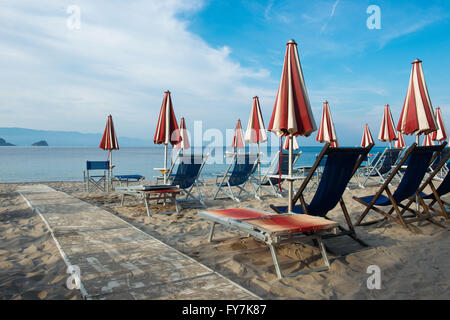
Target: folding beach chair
(341, 164)
(383, 165)
(366, 166)
(418, 160)
(274, 229)
(189, 168)
(436, 193)
(276, 167)
(96, 176)
(444, 170)
(238, 173)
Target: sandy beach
(413, 265)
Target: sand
(412, 265)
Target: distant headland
(28, 137)
(3, 143)
(41, 143)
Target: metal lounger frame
(272, 240)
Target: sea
(44, 164)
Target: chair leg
(211, 232)
(275, 261)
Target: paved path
(119, 261)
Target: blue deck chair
(418, 160)
(381, 168)
(341, 164)
(275, 168)
(187, 176)
(96, 176)
(238, 174)
(436, 193)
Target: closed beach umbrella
(400, 142)
(256, 132)
(292, 115)
(441, 133)
(387, 128)
(428, 141)
(184, 143)
(238, 138)
(109, 140)
(417, 115)
(367, 137)
(166, 128)
(326, 131)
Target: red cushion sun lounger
(273, 229)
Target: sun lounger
(127, 178)
(273, 229)
(341, 164)
(154, 192)
(277, 165)
(238, 174)
(96, 176)
(418, 160)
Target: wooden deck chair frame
(351, 232)
(225, 184)
(436, 197)
(273, 239)
(395, 206)
(272, 170)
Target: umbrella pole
(259, 169)
(165, 163)
(417, 140)
(110, 170)
(290, 175)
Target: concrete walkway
(119, 261)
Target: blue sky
(214, 56)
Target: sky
(213, 56)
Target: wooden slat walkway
(119, 261)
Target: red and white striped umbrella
(238, 138)
(256, 132)
(417, 115)
(387, 128)
(109, 139)
(428, 141)
(184, 143)
(367, 137)
(326, 131)
(167, 128)
(294, 144)
(441, 133)
(400, 142)
(292, 115)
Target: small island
(3, 143)
(41, 143)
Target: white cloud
(121, 60)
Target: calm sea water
(32, 164)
